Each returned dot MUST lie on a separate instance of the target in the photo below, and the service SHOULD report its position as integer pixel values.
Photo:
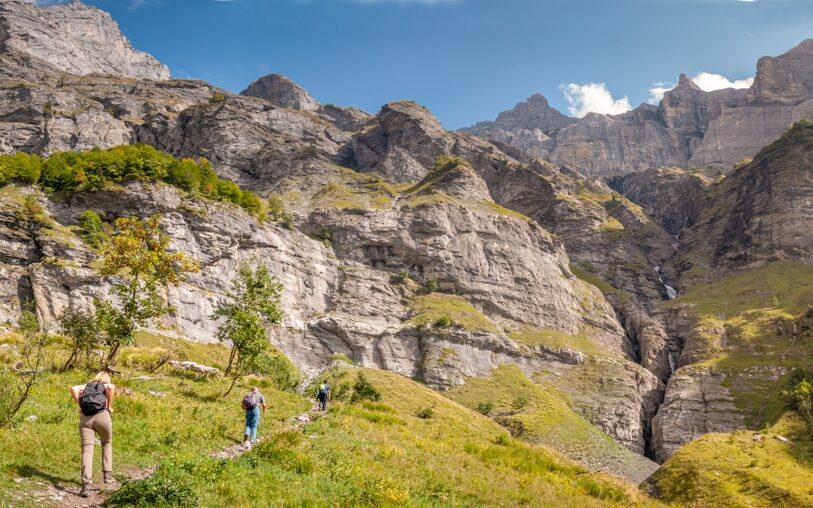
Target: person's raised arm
(110, 393)
(76, 392)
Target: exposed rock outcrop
(282, 92)
(73, 38)
(696, 403)
(761, 211)
(672, 196)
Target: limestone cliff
(73, 38)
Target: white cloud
(593, 98)
(658, 90)
(709, 82)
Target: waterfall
(670, 291)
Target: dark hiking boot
(84, 491)
(108, 478)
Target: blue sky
(466, 60)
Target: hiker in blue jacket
(323, 395)
(252, 403)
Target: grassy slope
(383, 454)
(188, 420)
(764, 314)
(455, 310)
(542, 416)
(734, 470)
(361, 454)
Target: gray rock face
(282, 92)
(528, 126)
(786, 79)
(761, 211)
(689, 128)
(609, 144)
(49, 112)
(402, 144)
(74, 38)
(672, 196)
(696, 403)
(248, 140)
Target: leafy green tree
(800, 395)
(82, 328)
(92, 228)
(140, 265)
(252, 304)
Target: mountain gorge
(645, 310)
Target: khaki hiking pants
(101, 424)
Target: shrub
(217, 97)
(278, 368)
(92, 228)
(502, 440)
(34, 212)
(484, 408)
(443, 322)
(278, 213)
(431, 285)
(520, 402)
(364, 390)
(20, 167)
(425, 413)
(800, 395)
(400, 277)
(325, 234)
(167, 487)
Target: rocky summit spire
(73, 38)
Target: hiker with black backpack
(95, 401)
(252, 403)
(323, 395)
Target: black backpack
(93, 400)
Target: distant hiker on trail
(95, 401)
(323, 395)
(252, 402)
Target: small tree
(278, 213)
(252, 304)
(82, 328)
(140, 264)
(15, 386)
(92, 228)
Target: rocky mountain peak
(73, 38)
(785, 79)
(402, 143)
(282, 92)
(534, 113)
